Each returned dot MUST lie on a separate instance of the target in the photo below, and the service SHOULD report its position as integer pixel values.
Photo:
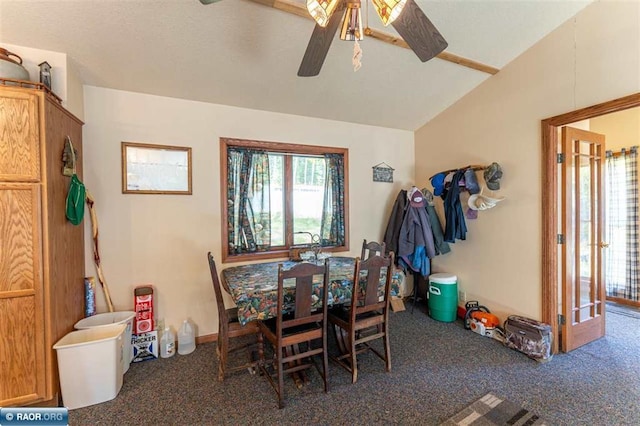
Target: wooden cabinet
(41, 253)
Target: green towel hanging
(76, 194)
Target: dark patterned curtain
(332, 228)
(249, 220)
(622, 256)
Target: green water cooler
(443, 297)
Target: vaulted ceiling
(245, 54)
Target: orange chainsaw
(479, 320)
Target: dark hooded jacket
(415, 244)
(395, 222)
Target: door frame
(550, 196)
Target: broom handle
(96, 254)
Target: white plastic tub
(109, 318)
(90, 365)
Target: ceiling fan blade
(319, 44)
(419, 33)
(208, 1)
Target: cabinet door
(20, 131)
(22, 361)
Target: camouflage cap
(492, 176)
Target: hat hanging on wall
(417, 199)
(470, 181)
(483, 202)
(492, 176)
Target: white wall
(588, 60)
(621, 130)
(163, 239)
(74, 100)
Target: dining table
(254, 287)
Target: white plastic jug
(167, 343)
(186, 338)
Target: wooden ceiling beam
(288, 6)
(300, 9)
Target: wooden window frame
(287, 148)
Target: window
(621, 220)
(276, 195)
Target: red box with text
(143, 306)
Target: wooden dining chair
(372, 248)
(367, 317)
(230, 328)
(292, 334)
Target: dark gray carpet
(438, 369)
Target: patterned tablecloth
(254, 287)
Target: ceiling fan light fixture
(321, 10)
(388, 10)
(352, 22)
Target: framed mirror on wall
(155, 169)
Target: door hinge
(560, 158)
(560, 239)
(561, 319)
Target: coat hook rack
(471, 166)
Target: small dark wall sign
(382, 173)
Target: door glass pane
(585, 220)
(276, 176)
(584, 147)
(308, 197)
(597, 219)
(585, 314)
